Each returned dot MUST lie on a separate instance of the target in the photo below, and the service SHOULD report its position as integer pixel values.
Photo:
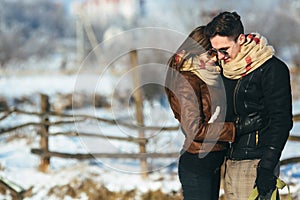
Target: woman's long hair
(195, 44)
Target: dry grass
(295, 82)
(96, 191)
(159, 195)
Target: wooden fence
(44, 133)
(45, 154)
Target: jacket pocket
(248, 140)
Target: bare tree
(27, 27)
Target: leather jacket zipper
(256, 138)
(234, 109)
(235, 94)
(234, 100)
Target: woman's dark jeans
(200, 177)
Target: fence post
(45, 108)
(79, 39)
(138, 98)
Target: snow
(26, 86)
(20, 166)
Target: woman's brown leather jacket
(193, 103)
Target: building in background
(103, 11)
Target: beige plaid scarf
(254, 52)
(209, 74)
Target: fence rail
(79, 117)
(103, 155)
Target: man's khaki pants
(239, 178)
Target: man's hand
(265, 182)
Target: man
(259, 102)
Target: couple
(240, 109)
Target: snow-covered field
(17, 164)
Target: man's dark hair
(225, 24)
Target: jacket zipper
(234, 98)
(256, 138)
(238, 118)
(234, 106)
(235, 110)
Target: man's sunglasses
(214, 52)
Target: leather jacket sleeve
(277, 91)
(195, 111)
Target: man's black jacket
(260, 104)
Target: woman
(197, 98)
